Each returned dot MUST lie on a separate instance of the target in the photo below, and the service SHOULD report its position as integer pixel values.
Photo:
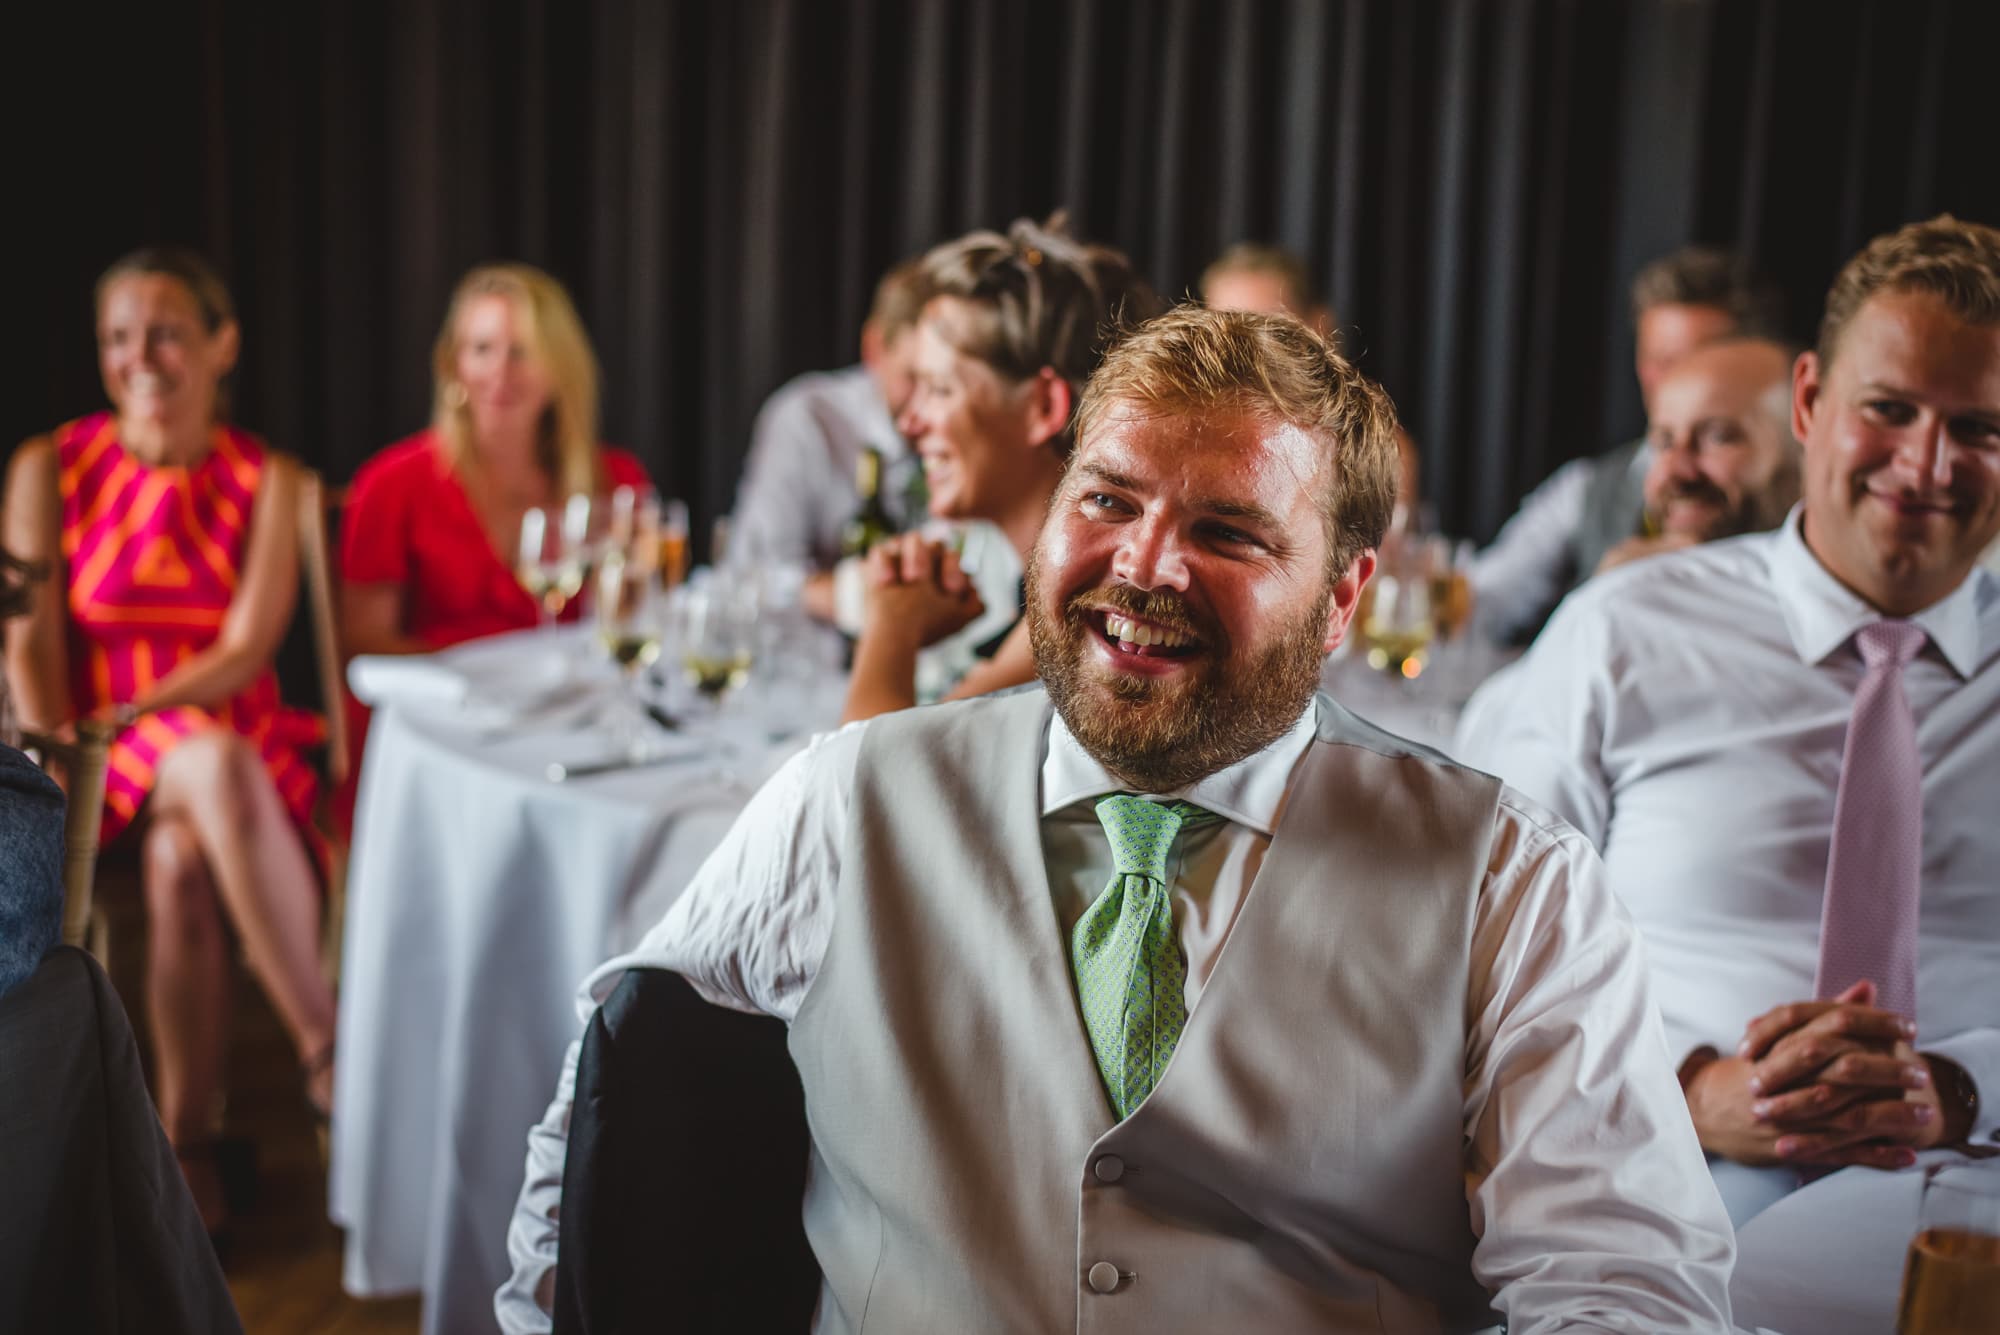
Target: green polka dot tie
(1130, 973)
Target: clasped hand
(1820, 1083)
(918, 586)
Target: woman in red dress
(172, 538)
(433, 522)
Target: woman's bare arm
(38, 641)
(261, 609)
(371, 620)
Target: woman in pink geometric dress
(172, 542)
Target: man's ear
(1346, 597)
(871, 345)
(1049, 402)
(1805, 393)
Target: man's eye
(1103, 502)
(1894, 411)
(1226, 533)
(1977, 429)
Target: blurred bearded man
(1722, 460)
(1422, 1084)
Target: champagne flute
(630, 627)
(673, 550)
(548, 565)
(1951, 1277)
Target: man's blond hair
(899, 300)
(1194, 360)
(1957, 262)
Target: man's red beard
(1160, 735)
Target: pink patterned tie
(1868, 923)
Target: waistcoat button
(1103, 1277)
(1109, 1168)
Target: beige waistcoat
(1298, 1168)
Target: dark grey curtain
(719, 183)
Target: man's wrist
(1694, 1064)
(1958, 1098)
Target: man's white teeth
(1137, 632)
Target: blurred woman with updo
(1012, 327)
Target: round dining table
(504, 846)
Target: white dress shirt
(1553, 975)
(798, 491)
(1688, 714)
(1530, 564)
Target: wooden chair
(80, 766)
(316, 502)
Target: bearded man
(1722, 460)
(1173, 996)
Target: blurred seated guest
(432, 530)
(1562, 531)
(799, 488)
(1174, 986)
(172, 535)
(1012, 328)
(1720, 455)
(1784, 746)
(1250, 276)
(31, 830)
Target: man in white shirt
(1561, 533)
(1722, 722)
(798, 489)
(1177, 997)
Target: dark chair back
(682, 1189)
(99, 1235)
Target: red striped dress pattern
(153, 555)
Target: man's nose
(1924, 453)
(1150, 556)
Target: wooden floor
(282, 1256)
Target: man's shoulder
(1692, 584)
(810, 390)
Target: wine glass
(631, 623)
(1397, 626)
(673, 550)
(1951, 1277)
(718, 637)
(550, 563)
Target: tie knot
(1142, 831)
(1889, 644)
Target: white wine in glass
(1396, 626)
(548, 566)
(718, 635)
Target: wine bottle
(871, 522)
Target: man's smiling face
(1179, 598)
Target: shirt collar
(1822, 614)
(1251, 792)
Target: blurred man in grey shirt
(1566, 526)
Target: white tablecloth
(479, 895)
